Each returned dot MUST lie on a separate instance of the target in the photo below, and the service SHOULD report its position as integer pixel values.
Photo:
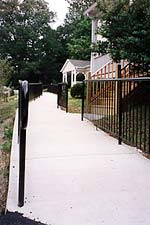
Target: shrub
(6, 146)
(8, 131)
(76, 91)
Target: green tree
(6, 71)
(51, 61)
(80, 42)
(24, 27)
(77, 8)
(75, 34)
(126, 27)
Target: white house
(73, 70)
(102, 66)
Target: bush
(6, 146)
(8, 132)
(76, 91)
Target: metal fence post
(19, 108)
(82, 110)
(66, 98)
(22, 151)
(23, 119)
(58, 95)
(119, 106)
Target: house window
(80, 77)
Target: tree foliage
(79, 44)
(126, 27)
(76, 31)
(27, 39)
(6, 71)
(36, 51)
(77, 9)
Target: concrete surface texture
(76, 175)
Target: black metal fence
(121, 107)
(35, 90)
(62, 99)
(26, 92)
(52, 88)
(61, 89)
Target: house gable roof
(76, 64)
(80, 63)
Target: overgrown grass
(74, 104)
(8, 131)
(7, 115)
(7, 109)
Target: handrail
(95, 73)
(120, 79)
(109, 68)
(125, 66)
(99, 94)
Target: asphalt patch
(16, 219)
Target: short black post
(58, 94)
(19, 109)
(66, 98)
(23, 107)
(22, 148)
(82, 110)
(119, 100)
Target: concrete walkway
(76, 175)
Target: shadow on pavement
(16, 219)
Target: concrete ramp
(76, 175)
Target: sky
(61, 8)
